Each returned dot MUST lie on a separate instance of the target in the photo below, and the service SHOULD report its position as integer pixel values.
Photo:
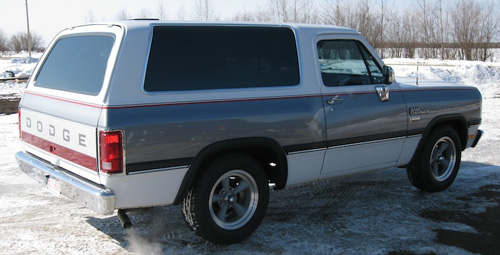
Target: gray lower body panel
(89, 194)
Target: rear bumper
(89, 194)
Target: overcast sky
(48, 17)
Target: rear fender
(264, 150)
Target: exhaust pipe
(124, 219)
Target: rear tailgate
(62, 142)
(60, 111)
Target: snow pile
(483, 75)
(12, 89)
(18, 66)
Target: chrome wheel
(228, 202)
(436, 164)
(233, 199)
(443, 158)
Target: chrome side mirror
(388, 75)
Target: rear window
(197, 58)
(76, 64)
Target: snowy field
(374, 213)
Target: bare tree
(181, 13)
(384, 14)
(19, 41)
(366, 22)
(144, 13)
(244, 16)
(278, 10)
(408, 33)
(441, 28)
(308, 12)
(426, 21)
(161, 11)
(205, 10)
(465, 18)
(122, 14)
(262, 15)
(335, 12)
(296, 11)
(89, 16)
(3, 42)
(490, 27)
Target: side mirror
(388, 75)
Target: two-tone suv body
(143, 113)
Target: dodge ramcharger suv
(137, 114)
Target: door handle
(335, 101)
(383, 93)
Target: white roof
(138, 24)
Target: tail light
(19, 123)
(111, 152)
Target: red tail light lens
(19, 123)
(111, 152)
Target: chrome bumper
(91, 195)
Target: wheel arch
(264, 150)
(456, 121)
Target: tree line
(450, 29)
(445, 29)
(18, 42)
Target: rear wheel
(436, 167)
(229, 201)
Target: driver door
(366, 119)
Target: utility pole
(28, 25)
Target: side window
(207, 57)
(347, 62)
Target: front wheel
(229, 201)
(436, 167)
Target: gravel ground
(373, 213)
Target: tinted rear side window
(195, 58)
(76, 64)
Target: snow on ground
(374, 213)
(18, 66)
(485, 76)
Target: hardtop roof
(146, 23)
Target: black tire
(228, 202)
(436, 166)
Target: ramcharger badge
(417, 111)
